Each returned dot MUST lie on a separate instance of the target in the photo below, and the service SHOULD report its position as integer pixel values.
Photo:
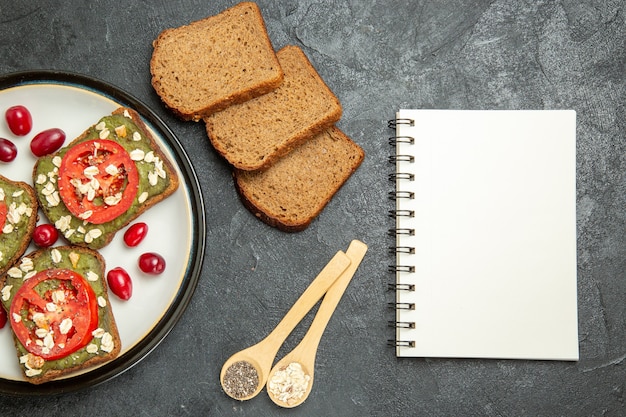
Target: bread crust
(168, 166)
(112, 328)
(263, 214)
(174, 46)
(140, 207)
(27, 234)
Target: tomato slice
(3, 215)
(98, 180)
(58, 312)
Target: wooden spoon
(304, 354)
(261, 355)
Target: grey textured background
(377, 57)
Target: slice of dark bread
(203, 67)
(293, 191)
(18, 217)
(52, 313)
(157, 179)
(254, 134)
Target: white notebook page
(495, 234)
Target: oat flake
(289, 384)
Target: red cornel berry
(135, 234)
(151, 263)
(120, 283)
(45, 235)
(47, 141)
(8, 150)
(3, 317)
(19, 120)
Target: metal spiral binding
(402, 306)
(401, 176)
(401, 158)
(394, 122)
(401, 287)
(402, 249)
(394, 140)
(395, 232)
(401, 231)
(400, 343)
(402, 324)
(395, 195)
(401, 213)
(402, 268)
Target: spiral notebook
(485, 236)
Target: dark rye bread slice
(293, 191)
(157, 179)
(203, 67)
(18, 217)
(55, 314)
(254, 134)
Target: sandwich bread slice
(209, 64)
(293, 191)
(255, 134)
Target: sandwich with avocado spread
(58, 308)
(103, 179)
(18, 216)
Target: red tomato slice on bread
(98, 180)
(3, 215)
(54, 313)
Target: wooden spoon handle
(356, 253)
(307, 300)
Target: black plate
(191, 198)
